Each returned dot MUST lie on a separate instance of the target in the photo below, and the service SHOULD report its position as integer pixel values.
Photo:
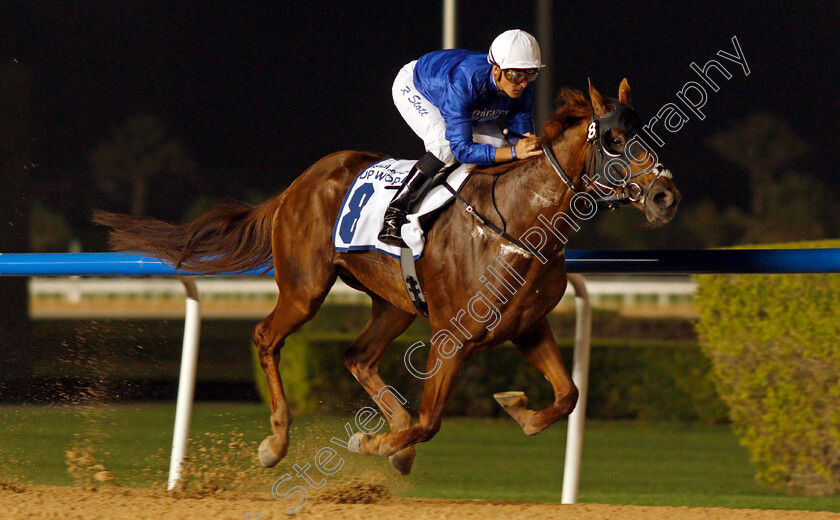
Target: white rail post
(580, 375)
(450, 24)
(186, 382)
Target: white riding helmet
(515, 49)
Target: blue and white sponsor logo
(488, 114)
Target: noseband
(602, 160)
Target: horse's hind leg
(539, 348)
(293, 309)
(386, 323)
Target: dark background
(257, 92)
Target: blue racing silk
(460, 84)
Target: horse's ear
(598, 104)
(624, 92)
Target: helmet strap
(498, 80)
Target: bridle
(601, 160)
(600, 157)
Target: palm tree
(762, 144)
(139, 151)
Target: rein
(493, 227)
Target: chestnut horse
(295, 230)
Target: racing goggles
(518, 76)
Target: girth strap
(412, 283)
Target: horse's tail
(228, 238)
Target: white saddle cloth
(363, 208)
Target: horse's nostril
(663, 199)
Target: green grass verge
(624, 462)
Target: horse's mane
(572, 107)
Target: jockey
(457, 101)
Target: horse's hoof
(403, 460)
(268, 458)
(513, 399)
(356, 443)
(516, 405)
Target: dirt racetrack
(67, 503)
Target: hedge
(629, 379)
(773, 343)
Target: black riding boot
(422, 171)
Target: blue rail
(705, 261)
(734, 261)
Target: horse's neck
(532, 188)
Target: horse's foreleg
(436, 391)
(539, 348)
(362, 359)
